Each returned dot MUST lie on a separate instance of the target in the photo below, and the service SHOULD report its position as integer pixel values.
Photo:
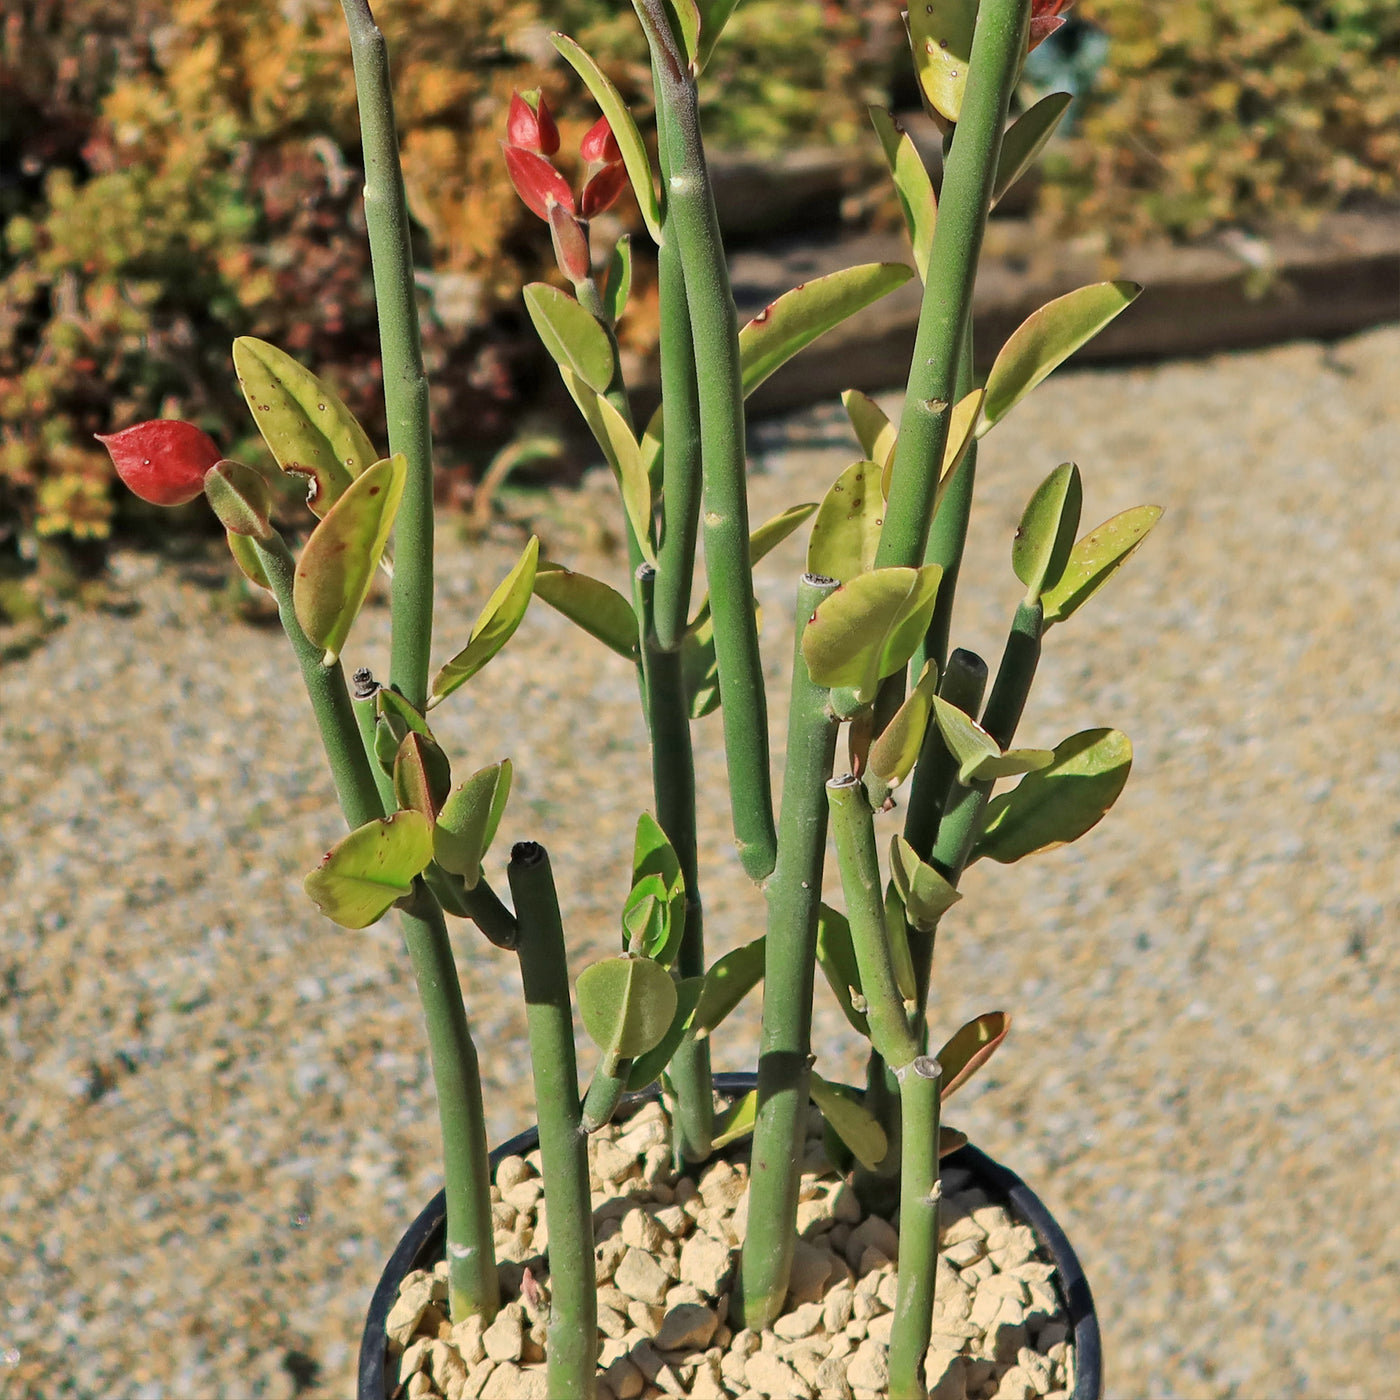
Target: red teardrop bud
(163, 461)
(603, 189)
(570, 243)
(536, 181)
(599, 143)
(530, 125)
(1046, 17)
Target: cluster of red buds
(1046, 17)
(531, 138)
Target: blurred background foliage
(177, 172)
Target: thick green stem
(998, 46)
(1014, 675)
(572, 1352)
(785, 1047)
(330, 699)
(473, 1287)
(714, 324)
(401, 352)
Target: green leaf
(874, 431)
(736, 1121)
(853, 1123)
(239, 497)
(626, 1005)
(979, 756)
(1045, 536)
(714, 15)
(647, 1068)
(245, 555)
(647, 930)
(618, 286)
(1025, 139)
(1059, 803)
(772, 533)
(969, 1049)
(573, 338)
(685, 25)
(306, 426)
(364, 873)
(337, 563)
(422, 776)
(727, 983)
(846, 532)
(624, 128)
(494, 626)
(893, 754)
(1045, 339)
(940, 33)
(597, 607)
(912, 185)
(469, 819)
(897, 935)
(926, 895)
(653, 856)
(798, 317)
(401, 717)
(837, 956)
(1095, 559)
(869, 628)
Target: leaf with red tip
(969, 1049)
(530, 125)
(604, 189)
(599, 143)
(536, 181)
(1042, 27)
(163, 460)
(422, 775)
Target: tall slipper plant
(873, 657)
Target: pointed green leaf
(874, 431)
(837, 956)
(469, 819)
(626, 1005)
(361, 876)
(597, 607)
(245, 555)
(926, 895)
(646, 921)
(736, 1121)
(869, 628)
(647, 1068)
(337, 563)
(652, 855)
(967, 741)
(853, 1123)
(1045, 536)
(573, 338)
(494, 627)
(969, 1049)
(893, 754)
(619, 284)
(727, 983)
(1096, 558)
(912, 185)
(685, 25)
(402, 718)
(306, 426)
(773, 532)
(846, 532)
(940, 33)
(1025, 139)
(714, 15)
(422, 776)
(239, 497)
(1045, 339)
(1059, 803)
(897, 932)
(624, 128)
(798, 317)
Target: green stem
(714, 324)
(330, 699)
(998, 45)
(785, 1046)
(401, 352)
(1015, 674)
(605, 1092)
(573, 1311)
(473, 1286)
(364, 689)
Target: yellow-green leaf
(727, 983)
(595, 606)
(940, 32)
(571, 335)
(626, 1005)
(469, 819)
(245, 555)
(912, 185)
(836, 955)
(1045, 536)
(851, 1121)
(1096, 558)
(362, 875)
(874, 431)
(966, 1051)
(736, 1121)
(1025, 139)
(893, 754)
(925, 894)
(646, 1068)
(846, 532)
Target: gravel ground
(217, 1115)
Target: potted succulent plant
(714, 1235)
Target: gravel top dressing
(217, 1114)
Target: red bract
(570, 242)
(530, 125)
(536, 181)
(599, 143)
(603, 189)
(1046, 17)
(163, 461)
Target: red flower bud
(599, 143)
(529, 124)
(570, 240)
(163, 461)
(603, 189)
(1046, 18)
(536, 181)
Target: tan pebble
(975, 1273)
(718, 1223)
(504, 1338)
(869, 1368)
(720, 1186)
(836, 1307)
(609, 1205)
(420, 1386)
(608, 1256)
(1043, 1298)
(1010, 1248)
(708, 1382)
(532, 1350)
(771, 1375)
(831, 1383)
(1006, 1286)
(680, 1293)
(731, 1366)
(610, 1348)
(614, 1165)
(510, 1171)
(805, 1358)
(415, 1298)
(539, 1240)
(745, 1343)
(524, 1195)
(641, 1277)
(446, 1365)
(872, 1260)
(673, 1220)
(951, 1333)
(704, 1264)
(966, 1252)
(992, 1218)
(802, 1321)
(888, 1290)
(1015, 1384)
(864, 1306)
(1037, 1367)
(656, 1165)
(811, 1268)
(1033, 1271)
(414, 1358)
(871, 1231)
(958, 1230)
(879, 1329)
(813, 1216)
(638, 1137)
(688, 1326)
(856, 1329)
(503, 1216)
(646, 1317)
(477, 1376)
(669, 1382)
(611, 1323)
(624, 1379)
(946, 1374)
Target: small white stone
(704, 1264)
(966, 1251)
(477, 1377)
(420, 1386)
(523, 1195)
(686, 1327)
(1007, 1286)
(836, 1308)
(720, 1186)
(879, 1329)
(674, 1221)
(992, 1218)
(801, 1322)
(770, 1375)
(413, 1359)
(510, 1382)
(869, 1368)
(872, 1260)
(611, 1323)
(446, 1367)
(871, 1231)
(708, 1382)
(504, 1339)
(510, 1171)
(811, 1268)
(415, 1297)
(1037, 1368)
(946, 1375)
(645, 1317)
(641, 1277)
(1015, 1384)
(609, 1254)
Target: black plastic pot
(426, 1240)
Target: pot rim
(424, 1240)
